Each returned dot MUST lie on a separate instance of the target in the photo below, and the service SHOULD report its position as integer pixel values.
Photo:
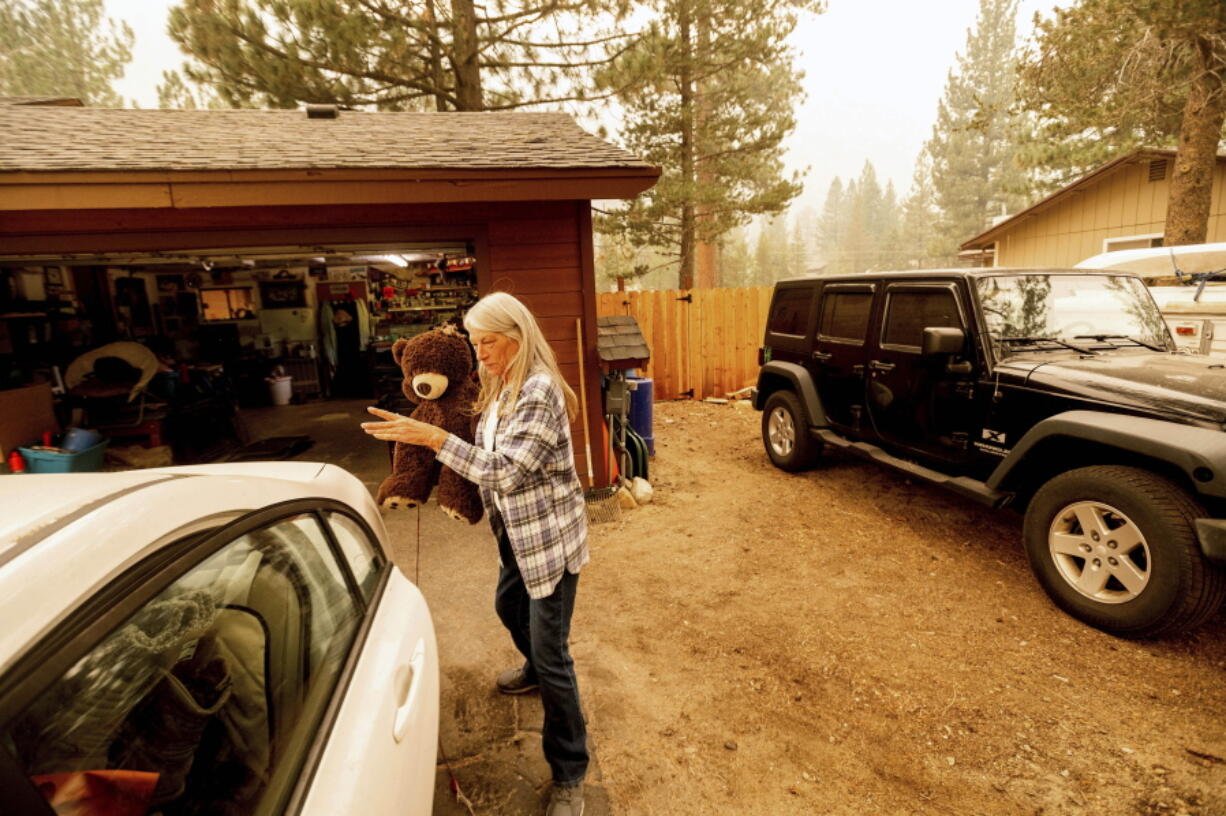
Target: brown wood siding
(543, 258)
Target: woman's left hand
(397, 428)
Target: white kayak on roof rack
(1195, 313)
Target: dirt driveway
(834, 642)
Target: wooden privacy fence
(704, 342)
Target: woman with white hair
(523, 463)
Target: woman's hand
(397, 428)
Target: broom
(602, 505)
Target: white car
(224, 639)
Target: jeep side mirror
(943, 340)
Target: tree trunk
(705, 260)
(436, 57)
(1191, 191)
(464, 60)
(687, 145)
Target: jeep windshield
(1038, 312)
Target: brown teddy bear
(437, 368)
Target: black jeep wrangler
(1056, 392)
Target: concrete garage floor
(492, 741)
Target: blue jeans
(540, 629)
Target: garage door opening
(231, 328)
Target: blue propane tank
(641, 399)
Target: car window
(845, 315)
(360, 552)
(908, 313)
(206, 699)
(790, 311)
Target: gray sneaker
(566, 800)
(515, 681)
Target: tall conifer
(709, 95)
(972, 149)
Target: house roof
(71, 139)
(65, 101)
(990, 235)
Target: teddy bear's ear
(398, 349)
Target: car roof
(65, 536)
(967, 273)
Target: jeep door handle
(822, 356)
(880, 365)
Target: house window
(1132, 242)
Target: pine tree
(973, 144)
(709, 95)
(457, 55)
(830, 225)
(797, 253)
(62, 48)
(887, 229)
(917, 248)
(1104, 77)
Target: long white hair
(505, 314)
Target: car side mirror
(942, 340)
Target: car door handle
(880, 365)
(822, 356)
(408, 681)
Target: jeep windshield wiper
(1103, 338)
(1036, 340)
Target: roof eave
(118, 189)
(992, 233)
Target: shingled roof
(619, 340)
(52, 139)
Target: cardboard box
(24, 414)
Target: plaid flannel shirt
(532, 469)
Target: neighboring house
(1120, 205)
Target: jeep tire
(785, 432)
(1116, 547)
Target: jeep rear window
(845, 315)
(912, 312)
(790, 311)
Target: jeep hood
(1189, 385)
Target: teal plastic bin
(86, 461)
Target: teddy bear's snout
(429, 386)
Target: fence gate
(704, 342)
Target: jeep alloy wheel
(781, 432)
(785, 432)
(1116, 547)
(1099, 551)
